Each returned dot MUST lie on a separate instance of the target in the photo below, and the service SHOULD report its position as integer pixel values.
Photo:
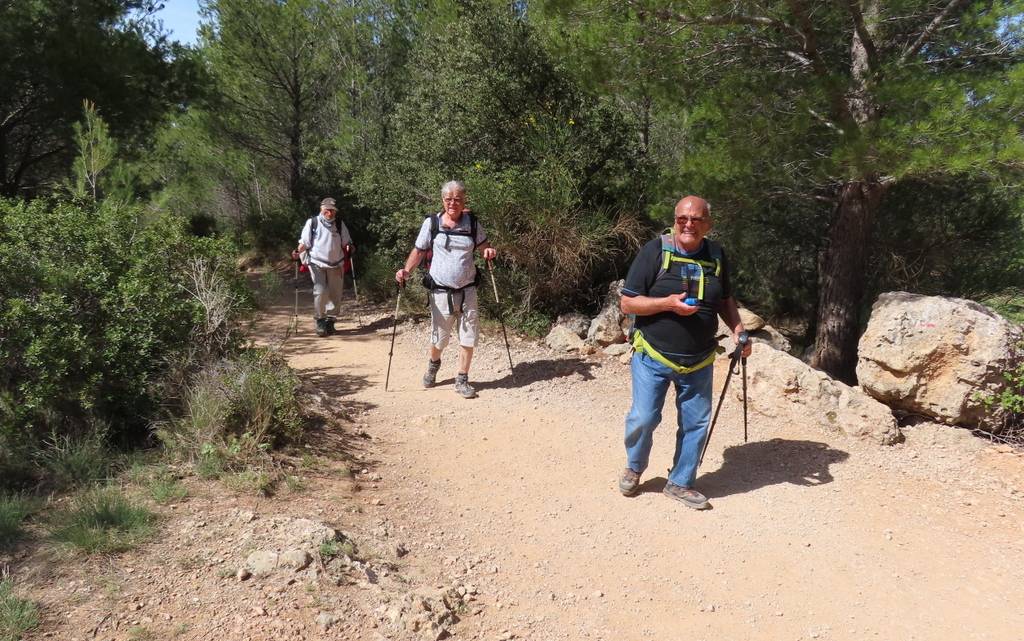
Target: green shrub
(102, 520)
(75, 461)
(164, 488)
(17, 616)
(14, 509)
(98, 302)
(236, 411)
(253, 481)
(1005, 409)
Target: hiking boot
(687, 496)
(463, 388)
(330, 326)
(321, 327)
(430, 377)
(629, 482)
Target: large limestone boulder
(766, 334)
(563, 339)
(936, 356)
(576, 323)
(781, 385)
(751, 321)
(606, 328)
(773, 337)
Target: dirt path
(812, 535)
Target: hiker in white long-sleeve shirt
(326, 246)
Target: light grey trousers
(328, 285)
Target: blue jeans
(693, 408)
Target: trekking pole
(295, 283)
(355, 289)
(501, 319)
(734, 359)
(744, 399)
(394, 330)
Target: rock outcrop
(563, 339)
(936, 356)
(606, 328)
(781, 384)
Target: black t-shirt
(683, 339)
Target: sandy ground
(812, 535)
(513, 494)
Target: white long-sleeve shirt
(327, 248)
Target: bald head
(693, 206)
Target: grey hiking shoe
(463, 388)
(687, 496)
(330, 326)
(430, 377)
(629, 482)
(321, 327)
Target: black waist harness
(433, 287)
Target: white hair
(452, 186)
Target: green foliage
(96, 152)
(552, 171)
(98, 302)
(944, 235)
(258, 482)
(17, 616)
(14, 509)
(236, 411)
(58, 53)
(71, 461)
(1007, 405)
(331, 549)
(102, 520)
(161, 485)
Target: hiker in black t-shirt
(677, 286)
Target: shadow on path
(336, 387)
(752, 466)
(540, 370)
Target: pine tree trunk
(841, 279)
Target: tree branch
(930, 30)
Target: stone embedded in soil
(325, 620)
(295, 559)
(261, 562)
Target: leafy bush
(97, 303)
(235, 412)
(102, 520)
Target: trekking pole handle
(744, 337)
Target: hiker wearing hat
(677, 286)
(448, 240)
(325, 246)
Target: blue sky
(181, 18)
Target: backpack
(669, 255)
(435, 229)
(345, 260)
